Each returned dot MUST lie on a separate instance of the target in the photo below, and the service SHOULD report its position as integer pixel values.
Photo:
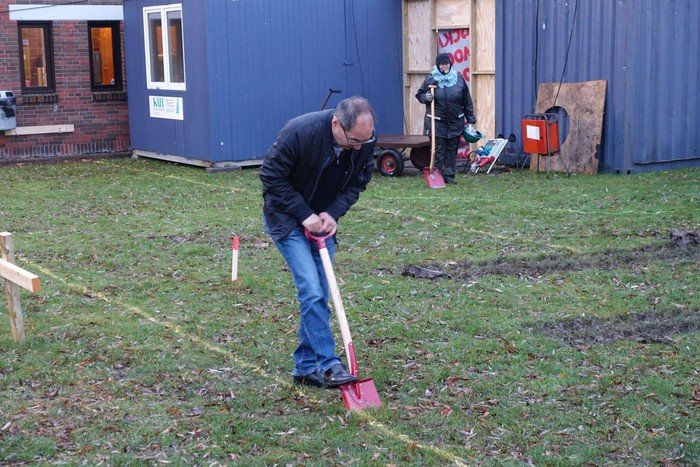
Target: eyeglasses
(355, 141)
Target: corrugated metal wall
(252, 65)
(276, 59)
(647, 50)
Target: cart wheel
(389, 163)
(420, 157)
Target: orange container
(540, 134)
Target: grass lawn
(562, 327)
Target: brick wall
(100, 119)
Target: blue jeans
(316, 349)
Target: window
(105, 56)
(165, 53)
(36, 70)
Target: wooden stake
(19, 276)
(234, 258)
(12, 289)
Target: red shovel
(432, 175)
(362, 393)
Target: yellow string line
(371, 208)
(178, 330)
(535, 207)
(482, 233)
(153, 172)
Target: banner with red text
(456, 43)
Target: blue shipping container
(647, 50)
(251, 65)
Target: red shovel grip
(320, 240)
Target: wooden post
(234, 258)
(14, 278)
(14, 308)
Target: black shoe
(337, 376)
(450, 181)
(312, 379)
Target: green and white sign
(166, 107)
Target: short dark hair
(349, 109)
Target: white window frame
(163, 11)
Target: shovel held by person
(432, 175)
(362, 393)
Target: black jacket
(452, 106)
(292, 168)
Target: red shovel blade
(360, 395)
(433, 178)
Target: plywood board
(584, 104)
(484, 36)
(483, 94)
(421, 17)
(450, 14)
(416, 110)
(171, 158)
(419, 41)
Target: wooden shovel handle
(338, 306)
(337, 301)
(432, 127)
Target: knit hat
(442, 58)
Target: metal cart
(390, 153)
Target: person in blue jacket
(311, 176)
(453, 105)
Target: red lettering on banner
(456, 43)
(460, 55)
(444, 40)
(452, 37)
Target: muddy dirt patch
(645, 327)
(537, 267)
(684, 238)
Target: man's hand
(321, 223)
(313, 223)
(329, 224)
